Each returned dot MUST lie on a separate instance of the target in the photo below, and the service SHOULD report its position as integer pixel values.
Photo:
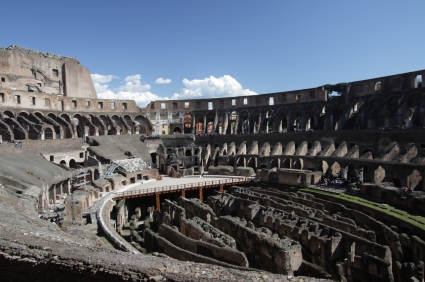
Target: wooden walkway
(157, 191)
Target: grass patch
(415, 220)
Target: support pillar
(158, 202)
(201, 195)
(183, 193)
(221, 189)
(54, 195)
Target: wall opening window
(378, 86)
(87, 104)
(55, 72)
(74, 103)
(17, 99)
(418, 81)
(245, 101)
(112, 105)
(174, 105)
(47, 102)
(32, 100)
(297, 97)
(82, 155)
(162, 106)
(233, 102)
(124, 106)
(186, 105)
(100, 105)
(2, 97)
(210, 105)
(52, 158)
(3, 79)
(271, 101)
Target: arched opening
(187, 123)
(153, 158)
(199, 119)
(286, 163)
(96, 174)
(177, 130)
(210, 123)
(48, 133)
(129, 124)
(72, 163)
(297, 124)
(232, 129)
(335, 169)
(141, 123)
(418, 81)
(210, 128)
(256, 120)
(323, 167)
(297, 164)
(244, 126)
(63, 163)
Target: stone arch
(297, 164)
(141, 123)
(256, 121)
(129, 123)
(199, 124)
(244, 122)
(187, 123)
(335, 169)
(414, 180)
(77, 121)
(323, 167)
(101, 122)
(411, 113)
(55, 124)
(233, 128)
(296, 121)
(177, 130)
(48, 133)
(63, 163)
(8, 114)
(210, 119)
(364, 174)
(24, 114)
(378, 174)
(72, 163)
(286, 163)
(66, 117)
(312, 121)
(281, 122)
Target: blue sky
(148, 50)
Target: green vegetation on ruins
(418, 221)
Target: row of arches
(38, 125)
(257, 121)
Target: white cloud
(98, 78)
(162, 80)
(212, 87)
(133, 89)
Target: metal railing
(169, 188)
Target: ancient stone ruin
(319, 184)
